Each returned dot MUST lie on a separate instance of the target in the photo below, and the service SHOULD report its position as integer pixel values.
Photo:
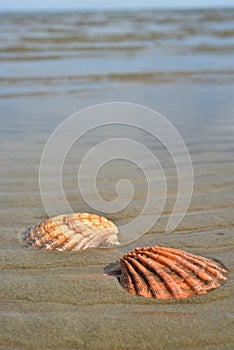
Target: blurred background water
(52, 53)
(52, 64)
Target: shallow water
(52, 65)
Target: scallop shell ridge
(77, 231)
(167, 273)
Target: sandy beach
(52, 65)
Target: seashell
(167, 273)
(77, 231)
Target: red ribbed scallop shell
(76, 231)
(167, 273)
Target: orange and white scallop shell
(77, 231)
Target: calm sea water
(53, 64)
(49, 53)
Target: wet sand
(64, 300)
